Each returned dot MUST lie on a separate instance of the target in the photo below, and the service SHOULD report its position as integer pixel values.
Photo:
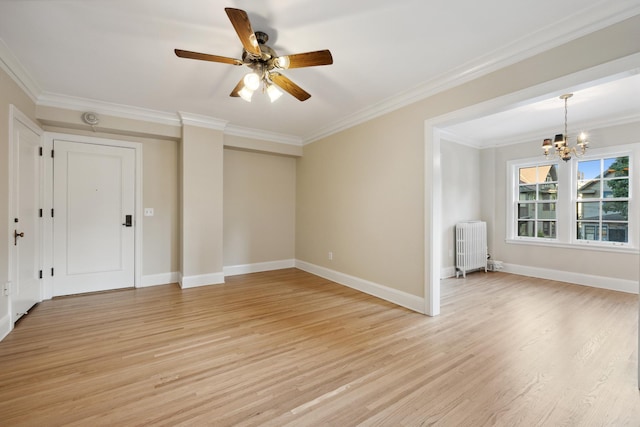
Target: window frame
(537, 203)
(566, 202)
(632, 209)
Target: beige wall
(360, 195)
(461, 194)
(202, 198)
(259, 207)
(590, 262)
(361, 191)
(160, 192)
(10, 93)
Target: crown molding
(263, 135)
(12, 66)
(447, 135)
(48, 99)
(55, 100)
(202, 121)
(572, 27)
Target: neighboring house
(606, 219)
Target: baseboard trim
(621, 285)
(395, 296)
(5, 326)
(159, 279)
(201, 280)
(234, 270)
(447, 272)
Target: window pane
(615, 232)
(528, 175)
(588, 231)
(546, 211)
(589, 189)
(588, 170)
(527, 192)
(526, 228)
(615, 211)
(548, 192)
(526, 210)
(616, 188)
(548, 173)
(547, 229)
(616, 167)
(588, 210)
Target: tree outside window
(602, 205)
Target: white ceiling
(386, 54)
(614, 101)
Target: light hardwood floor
(288, 348)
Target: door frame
(50, 137)
(15, 115)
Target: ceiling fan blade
(242, 25)
(237, 89)
(287, 85)
(307, 59)
(206, 57)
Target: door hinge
(51, 271)
(40, 150)
(40, 213)
(51, 212)
(40, 274)
(52, 154)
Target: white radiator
(471, 247)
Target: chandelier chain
(566, 133)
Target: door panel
(94, 191)
(26, 233)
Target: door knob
(15, 237)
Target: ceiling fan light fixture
(252, 81)
(262, 60)
(274, 93)
(245, 93)
(283, 62)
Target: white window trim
(512, 198)
(633, 213)
(566, 234)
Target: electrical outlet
(148, 211)
(330, 256)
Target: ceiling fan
(263, 61)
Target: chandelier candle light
(560, 142)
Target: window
(602, 205)
(586, 202)
(537, 192)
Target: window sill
(579, 246)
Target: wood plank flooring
(287, 348)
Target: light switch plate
(148, 211)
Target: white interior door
(94, 213)
(25, 238)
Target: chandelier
(560, 142)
